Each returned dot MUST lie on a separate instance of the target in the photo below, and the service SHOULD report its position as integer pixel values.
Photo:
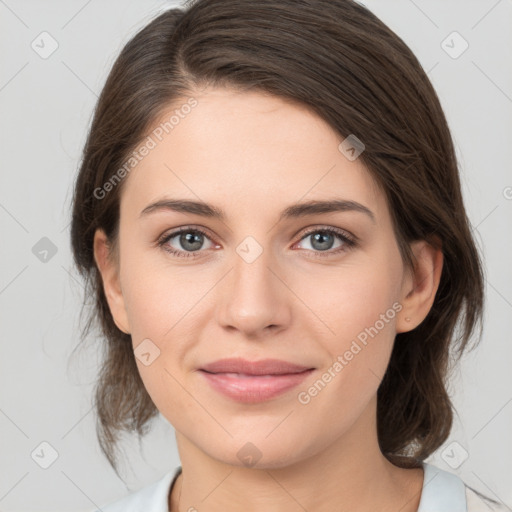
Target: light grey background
(46, 106)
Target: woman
(269, 216)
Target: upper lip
(262, 367)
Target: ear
(109, 270)
(420, 285)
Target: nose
(254, 298)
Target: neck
(349, 474)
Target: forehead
(246, 150)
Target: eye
(190, 239)
(324, 239)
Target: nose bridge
(251, 266)
(253, 297)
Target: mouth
(246, 367)
(252, 382)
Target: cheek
(362, 316)
(158, 318)
(350, 299)
(157, 297)
(166, 308)
(359, 306)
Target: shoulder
(477, 502)
(151, 498)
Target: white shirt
(442, 492)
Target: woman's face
(263, 282)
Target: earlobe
(420, 287)
(111, 284)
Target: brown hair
(341, 61)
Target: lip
(254, 381)
(262, 367)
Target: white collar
(442, 492)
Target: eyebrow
(291, 212)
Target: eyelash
(348, 240)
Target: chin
(256, 452)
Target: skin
(253, 155)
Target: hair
(338, 59)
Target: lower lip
(252, 389)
